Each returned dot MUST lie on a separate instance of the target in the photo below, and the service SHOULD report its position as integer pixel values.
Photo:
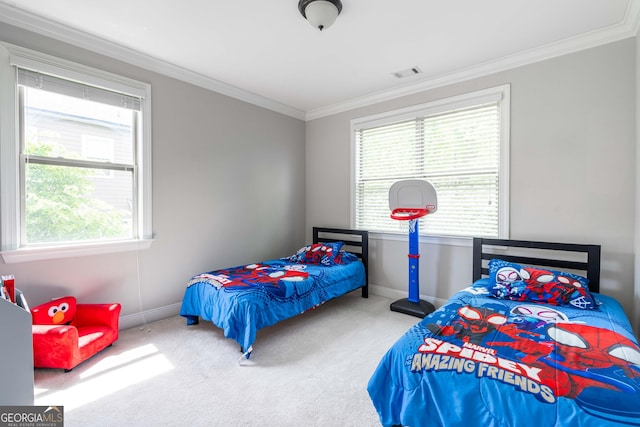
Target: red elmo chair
(66, 333)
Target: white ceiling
(263, 51)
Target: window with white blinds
(76, 158)
(459, 145)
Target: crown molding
(632, 18)
(45, 27)
(627, 28)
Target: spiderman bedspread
(241, 300)
(481, 361)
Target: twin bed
(244, 299)
(528, 343)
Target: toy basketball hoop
(410, 200)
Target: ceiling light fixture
(320, 13)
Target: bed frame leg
(192, 320)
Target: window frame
(498, 93)
(12, 56)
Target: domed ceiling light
(320, 13)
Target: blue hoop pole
(414, 258)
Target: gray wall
(228, 188)
(236, 183)
(572, 169)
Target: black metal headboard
(591, 266)
(355, 241)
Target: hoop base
(419, 309)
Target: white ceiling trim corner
(632, 18)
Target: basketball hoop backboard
(413, 194)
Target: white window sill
(72, 251)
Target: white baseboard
(139, 319)
(395, 294)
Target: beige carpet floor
(311, 370)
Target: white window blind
(458, 150)
(49, 83)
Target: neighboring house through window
(459, 144)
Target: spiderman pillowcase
(319, 253)
(512, 281)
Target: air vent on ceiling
(407, 73)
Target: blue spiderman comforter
(482, 361)
(241, 300)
